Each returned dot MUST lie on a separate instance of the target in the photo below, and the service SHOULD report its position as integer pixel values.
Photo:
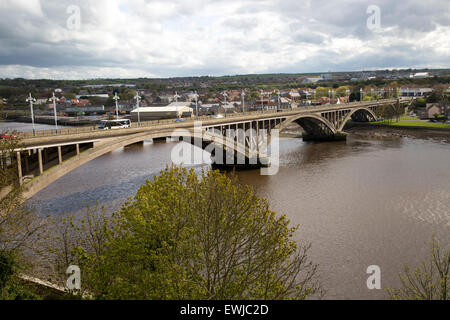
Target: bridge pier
(59, 155)
(162, 139)
(19, 168)
(227, 162)
(41, 166)
(338, 136)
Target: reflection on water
(360, 202)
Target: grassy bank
(414, 124)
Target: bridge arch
(313, 124)
(362, 113)
(58, 171)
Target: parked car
(179, 120)
(8, 136)
(218, 116)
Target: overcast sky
(146, 38)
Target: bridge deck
(72, 135)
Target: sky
(81, 39)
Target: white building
(173, 110)
(420, 75)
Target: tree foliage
(17, 224)
(429, 280)
(186, 236)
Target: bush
(185, 236)
(429, 280)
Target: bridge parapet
(45, 158)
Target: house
(86, 110)
(208, 108)
(294, 95)
(285, 103)
(229, 108)
(433, 109)
(41, 101)
(415, 92)
(83, 103)
(324, 100)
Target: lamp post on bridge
(225, 95)
(196, 104)
(53, 98)
(279, 100)
(243, 99)
(360, 95)
(116, 98)
(32, 100)
(138, 99)
(262, 102)
(176, 96)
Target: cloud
(130, 38)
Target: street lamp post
(176, 96)
(32, 100)
(262, 102)
(196, 104)
(360, 95)
(138, 99)
(116, 98)
(53, 98)
(278, 95)
(243, 100)
(224, 94)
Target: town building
(432, 109)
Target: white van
(114, 124)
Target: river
(366, 201)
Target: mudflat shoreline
(374, 131)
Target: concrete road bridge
(49, 155)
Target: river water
(366, 201)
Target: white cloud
(129, 38)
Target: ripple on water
(431, 207)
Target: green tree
(342, 91)
(420, 103)
(322, 92)
(429, 280)
(186, 236)
(17, 224)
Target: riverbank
(413, 124)
(376, 131)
